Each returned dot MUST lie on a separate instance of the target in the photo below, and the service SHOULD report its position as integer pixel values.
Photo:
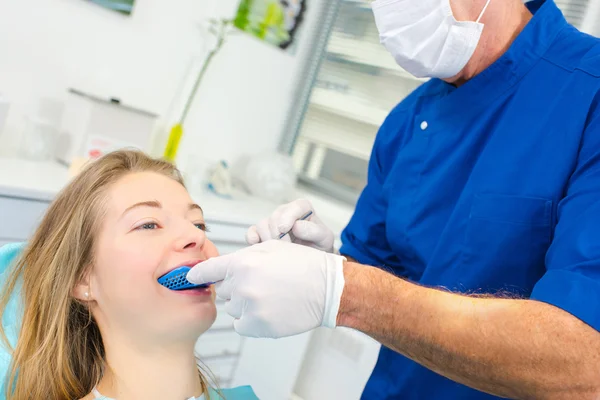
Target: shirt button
(424, 125)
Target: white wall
(243, 104)
(47, 46)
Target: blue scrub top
(490, 187)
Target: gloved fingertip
(220, 292)
(307, 230)
(285, 226)
(193, 277)
(286, 238)
(242, 328)
(237, 325)
(209, 271)
(288, 218)
(252, 236)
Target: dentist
(473, 254)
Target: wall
(47, 46)
(243, 103)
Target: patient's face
(151, 226)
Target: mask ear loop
(483, 11)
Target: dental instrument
(305, 216)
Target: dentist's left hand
(276, 289)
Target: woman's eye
(148, 226)
(202, 227)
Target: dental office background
(316, 96)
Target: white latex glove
(310, 232)
(276, 289)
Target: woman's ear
(82, 291)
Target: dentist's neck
(150, 371)
(504, 20)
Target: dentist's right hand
(276, 289)
(310, 232)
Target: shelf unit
(357, 84)
(366, 53)
(348, 107)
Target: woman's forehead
(145, 187)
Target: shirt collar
(526, 50)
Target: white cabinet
(337, 366)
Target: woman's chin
(201, 319)
(190, 330)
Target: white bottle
(39, 138)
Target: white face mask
(425, 38)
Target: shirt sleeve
(364, 238)
(572, 278)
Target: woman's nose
(190, 245)
(191, 238)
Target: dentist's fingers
(211, 271)
(262, 228)
(245, 327)
(309, 231)
(290, 213)
(252, 236)
(262, 232)
(224, 289)
(235, 307)
(274, 230)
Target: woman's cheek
(210, 250)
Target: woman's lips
(198, 291)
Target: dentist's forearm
(511, 348)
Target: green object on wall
(122, 6)
(242, 20)
(272, 21)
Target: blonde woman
(95, 322)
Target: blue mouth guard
(176, 280)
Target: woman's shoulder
(88, 397)
(9, 253)
(238, 393)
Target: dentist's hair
(59, 354)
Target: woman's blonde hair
(59, 353)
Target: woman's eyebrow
(149, 203)
(157, 204)
(195, 206)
